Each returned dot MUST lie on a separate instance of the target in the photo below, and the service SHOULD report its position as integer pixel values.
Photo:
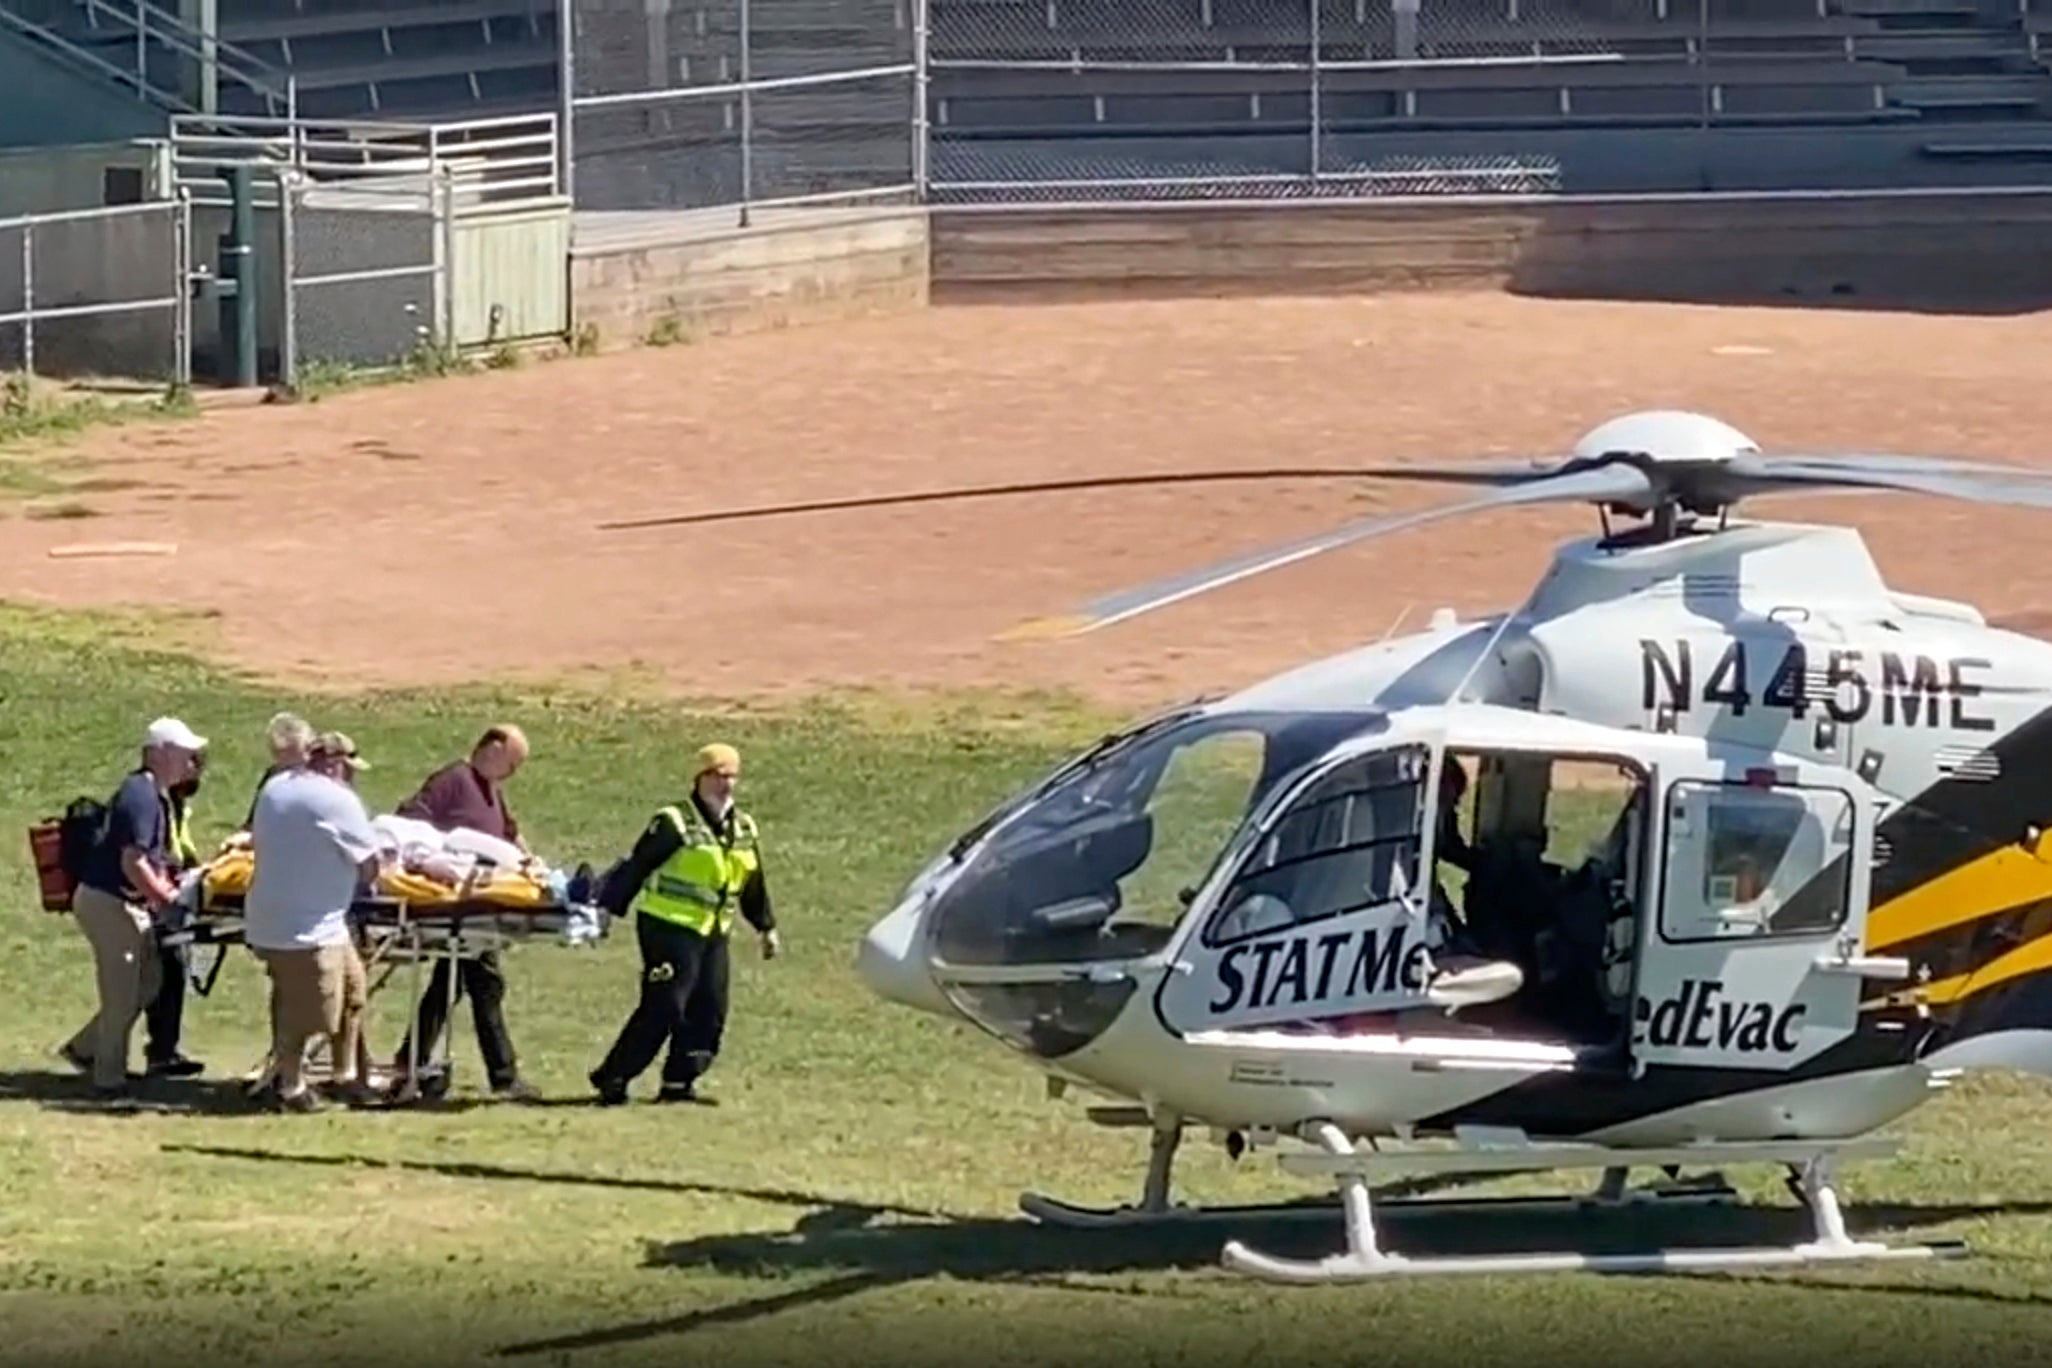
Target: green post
(237, 274)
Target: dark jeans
(164, 1017)
(485, 982)
(683, 1004)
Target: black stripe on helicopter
(1973, 833)
(1845, 684)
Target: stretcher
(408, 918)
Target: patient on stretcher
(428, 867)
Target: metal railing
(107, 263)
(499, 163)
(136, 28)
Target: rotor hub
(1667, 435)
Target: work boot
(685, 1092)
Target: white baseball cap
(169, 731)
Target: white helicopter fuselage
(1766, 665)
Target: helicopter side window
(1349, 841)
(1747, 861)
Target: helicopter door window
(1746, 861)
(1349, 841)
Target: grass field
(853, 1197)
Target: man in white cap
(695, 865)
(124, 886)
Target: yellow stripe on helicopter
(2000, 881)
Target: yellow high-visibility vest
(699, 886)
(182, 847)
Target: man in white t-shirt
(314, 848)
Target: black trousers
(164, 1016)
(485, 982)
(683, 1005)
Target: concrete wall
(48, 180)
(634, 277)
(1953, 251)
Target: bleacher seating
(1549, 62)
(1509, 64)
(402, 58)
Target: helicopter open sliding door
(1763, 885)
(1324, 912)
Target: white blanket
(446, 855)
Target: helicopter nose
(891, 966)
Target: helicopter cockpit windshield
(1101, 863)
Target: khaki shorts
(311, 988)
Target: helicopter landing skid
(1365, 1259)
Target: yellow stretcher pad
(229, 874)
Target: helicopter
(1756, 862)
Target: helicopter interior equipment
(1753, 864)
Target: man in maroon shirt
(470, 793)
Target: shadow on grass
(72, 1094)
(846, 1249)
(517, 1174)
(857, 1255)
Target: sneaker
(611, 1091)
(519, 1090)
(302, 1101)
(72, 1056)
(176, 1066)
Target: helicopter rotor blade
(1609, 484)
(1973, 481)
(1491, 472)
(950, 495)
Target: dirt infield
(444, 531)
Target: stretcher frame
(389, 932)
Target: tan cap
(718, 758)
(334, 743)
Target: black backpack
(79, 833)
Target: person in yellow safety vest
(164, 1016)
(695, 865)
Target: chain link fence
(734, 104)
(365, 275)
(1062, 100)
(98, 293)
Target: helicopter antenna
(1397, 622)
(1488, 646)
